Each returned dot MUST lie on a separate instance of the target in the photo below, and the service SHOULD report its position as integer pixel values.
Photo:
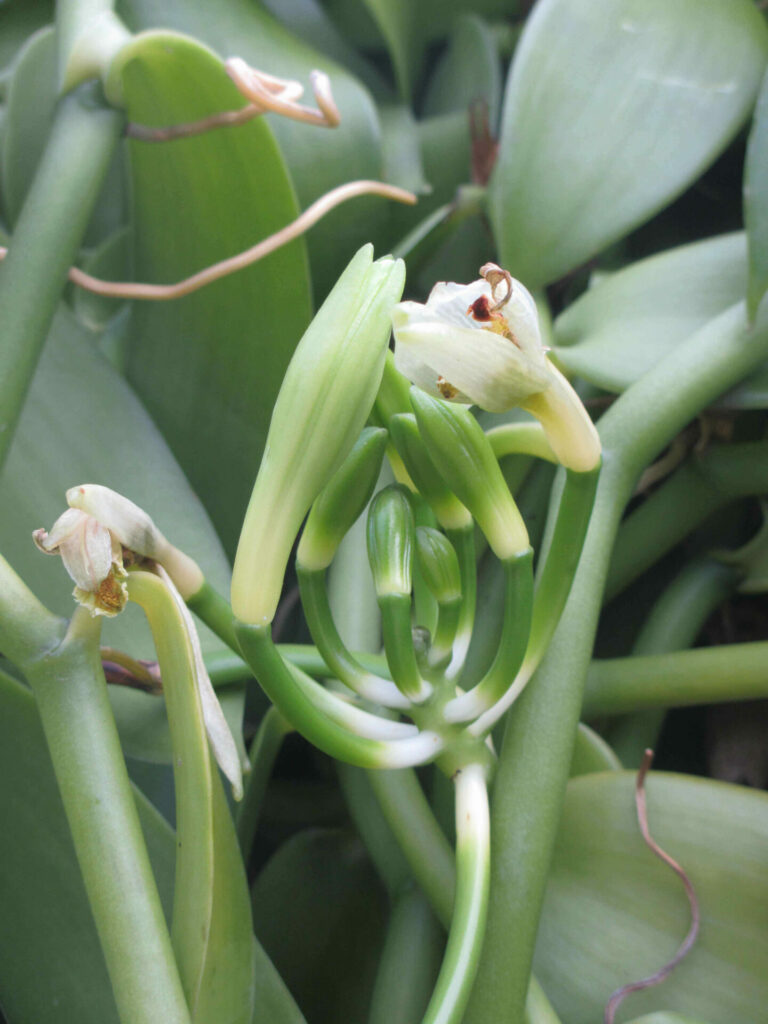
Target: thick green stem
(28, 630)
(45, 243)
(216, 612)
(538, 743)
(465, 938)
(89, 36)
(673, 625)
(699, 488)
(706, 675)
(71, 695)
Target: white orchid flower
(92, 557)
(135, 530)
(480, 344)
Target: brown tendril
(655, 979)
(495, 275)
(313, 213)
(265, 93)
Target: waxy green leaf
(208, 365)
(612, 108)
(628, 321)
(756, 202)
(614, 913)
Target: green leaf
(591, 753)
(397, 21)
(110, 261)
(629, 321)
(317, 159)
(53, 967)
(612, 108)
(320, 912)
(468, 71)
(756, 202)
(17, 23)
(28, 117)
(209, 365)
(614, 913)
(83, 424)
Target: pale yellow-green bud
(326, 397)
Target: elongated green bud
(342, 500)
(391, 537)
(465, 459)
(439, 564)
(450, 512)
(326, 396)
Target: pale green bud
(342, 500)
(326, 396)
(439, 564)
(465, 459)
(391, 536)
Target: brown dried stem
(655, 979)
(313, 213)
(266, 94)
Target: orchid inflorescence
(345, 403)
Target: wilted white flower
(477, 343)
(480, 344)
(91, 556)
(135, 530)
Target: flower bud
(93, 559)
(450, 512)
(465, 459)
(439, 564)
(342, 500)
(135, 530)
(391, 535)
(326, 396)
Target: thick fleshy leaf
(397, 21)
(756, 202)
(622, 326)
(17, 23)
(28, 117)
(320, 911)
(614, 913)
(469, 70)
(317, 159)
(612, 108)
(53, 967)
(209, 365)
(82, 424)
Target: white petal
(488, 369)
(450, 302)
(85, 549)
(127, 521)
(216, 726)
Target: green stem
(89, 35)
(536, 755)
(518, 599)
(28, 631)
(290, 698)
(673, 624)
(429, 855)
(521, 439)
(409, 961)
(463, 540)
(705, 675)
(45, 243)
(216, 612)
(341, 664)
(465, 938)
(398, 645)
(71, 695)
(700, 487)
(264, 750)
